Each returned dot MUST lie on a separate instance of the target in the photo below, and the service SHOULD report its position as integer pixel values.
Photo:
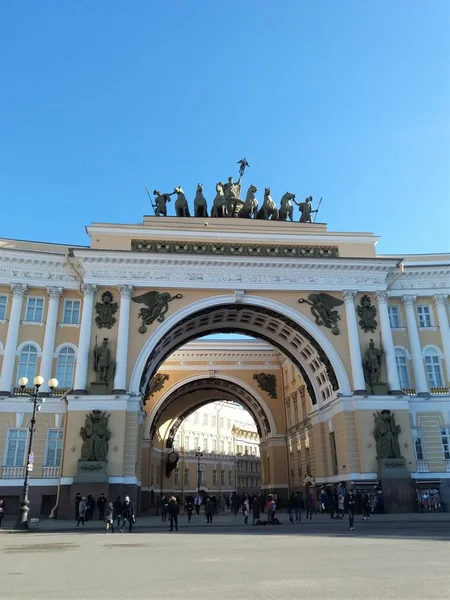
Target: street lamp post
(198, 456)
(37, 400)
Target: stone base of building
(398, 487)
(111, 490)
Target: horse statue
(181, 205)
(219, 204)
(250, 206)
(286, 208)
(268, 210)
(200, 206)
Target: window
(201, 477)
(418, 448)
(229, 447)
(246, 449)
(433, 368)
(176, 477)
(445, 439)
(186, 477)
(15, 447)
(222, 477)
(394, 316)
(71, 314)
(205, 419)
(230, 477)
(214, 477)
(35, 309)
(308, 462)
(186, 442)
(196, 418)
(196, 442)
(288, 413)
(27, 363)
(54, 448)
(295, 409)
(3, 300)
(424, 312)
(222, 446)
(213, 421)
(65, 367)
(228, 423)
(205, 444)
(303, 399)
(401, 361)
(222, 422)
(214, 444)
(176, 443)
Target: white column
(120, 379)
(359, 384)
(420, 379)
(88, 290)
(393, 382)
(440, 301)
(54, 294)
(9, 356)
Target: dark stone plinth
(91, 471)
(398, 487)
(99, 388)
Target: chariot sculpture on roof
(229, 203)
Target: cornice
(36, 268)
(425, 280)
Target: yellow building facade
(310, 294)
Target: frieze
(224, 249)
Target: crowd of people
(118, 512)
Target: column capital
(409, 299)
(349, 295)
(125, 290)
(88, 289)
(19, 289)
(382, 296)
(440, 299)
(54, 292)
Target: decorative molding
(88, 289)
(125, 290)
(440, 299)
(238, 296)
(226, 249)
(54, 292)
(349, 296)
(36, 268)
(19, 289)
(409, 299)
(157, 383)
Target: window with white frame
(3, 301)
(176, 476)
(186, 442)
(433, 367)
(196, 442)
(186, 476)
(71, 313)
(213, 420)
(445, 439)
(16, 444)
(196, 418)
(35, 310)
(65, 367)
(425, 315)
(418, 445)
(205, 419)
(394, 316)
(401, 360)
(222, 446)
(53, 448)
(214, 445)
(27, 362)
(229, 447)
(230, 475)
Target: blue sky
(349, 100)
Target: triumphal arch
(347, 381)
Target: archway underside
(193, 395)
(278, 330)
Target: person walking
(77, 503)
(189, 508)
(2, 510)
(365, 500)
(173, 509)
(101, 503)
(164, 507)
(246, 510)
(209, 510)
(127, 514)
(82, 508)
(351, 504)
(298, 507)
(109, 519)
(256, 510)
(117, 505)
(197, 503)
(90, 507)
(309, 505)
(323, 501)
(291, 507)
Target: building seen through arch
(346, 375)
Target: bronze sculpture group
(228, 202)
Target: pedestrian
(246, 510)
(197, 503)
(2, 510)
(90, 506)
(101, 503)
(189, 508)
(323, 501)
(127, 514)
(209, 510)
(82, 508)
(109, 519)
(117, 510)
(365, 500)
(173, 509)
(270, 509)
(298, 507)
(351, 503)
(341, 499)
(291, 507)
(77, 502)
(164, 507)
(309, 505)
(255, 510)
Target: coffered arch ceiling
(192, 395)
(289, 337)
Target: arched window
(27, 363)
(433, 367)
(401, 360)
(65, 367)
